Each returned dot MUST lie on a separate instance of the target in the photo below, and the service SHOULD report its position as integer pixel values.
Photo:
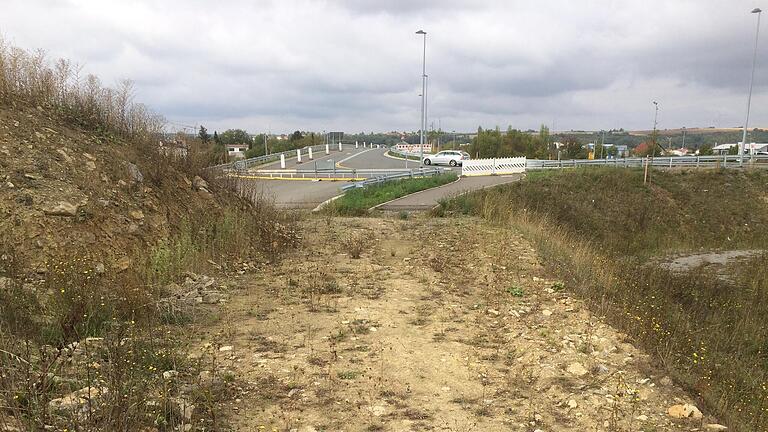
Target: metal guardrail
(729, 161)
(429, 172)
(244, 164)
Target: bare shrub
(29, 77)
(355, 244)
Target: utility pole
(683, 145)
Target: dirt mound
(66, 191)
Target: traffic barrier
(501, 166)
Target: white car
(446, 157)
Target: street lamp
(749, 98)
(653, 136)
(423, 98)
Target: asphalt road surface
(307, 194)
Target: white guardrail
(495, 166)
(730, 161)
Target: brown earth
(65, 191)
(440, 325)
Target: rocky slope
(65, 192)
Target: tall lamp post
(653, 136)
(751, 81)
(423, 97)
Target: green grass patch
(399, 156)
(356, 202)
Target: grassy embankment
(356, 202)
(605, 232)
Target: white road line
(354, 155)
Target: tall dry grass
(30, 77)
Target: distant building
(412, 148)
(750, 148)
(236, 151)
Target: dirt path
(462, 332)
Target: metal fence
(244, 164)
(725, 161)
(422, 172)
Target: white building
(751, 148)
(236, 151)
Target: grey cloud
(300, 64)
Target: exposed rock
(715, 427)
(169, 374)
(63, 208)
(91, 165)
(99, 268)
(577, 369)
(199, 184)
(135, 175)
(185, 408)
(136, 214)
(546, 312)
(78, 401)
(226, 348)
(684, 411)
(123, 264)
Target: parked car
(446, 157)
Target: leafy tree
(203, 135)
(235, 136)
(706, 150)
(573, 149)
(216, 138)
(296, 136)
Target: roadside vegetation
(606, 234)
(398, 155)
(356, 202)
(94, 316)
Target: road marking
(338, 164)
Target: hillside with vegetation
(677, 264)
(99, 224)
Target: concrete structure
(236, 151)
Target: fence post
(310, 153)
(298, 155)
(327, 149)
(282, 161)
(339, 145)
(670, 161)
(356, 144)
(697, 161)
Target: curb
(326, 202)
(411, 194)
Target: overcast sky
(355, 65)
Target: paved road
(305, 194)
(298, 194)
(335, 155)
(426, 200)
